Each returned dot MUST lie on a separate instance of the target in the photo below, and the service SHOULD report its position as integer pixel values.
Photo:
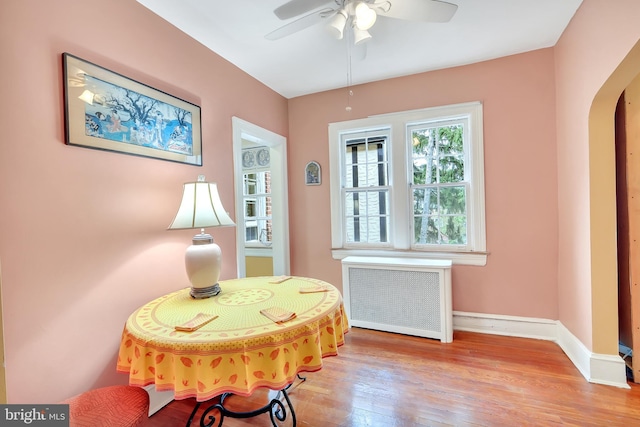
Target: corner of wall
(596, 368)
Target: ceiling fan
(359, 15)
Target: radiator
(407, 296)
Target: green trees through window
(410, 184)
(438, 184)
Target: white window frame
(400, 196)
(386, 133)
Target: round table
(241, 349)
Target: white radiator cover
(407, 296)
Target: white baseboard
(158, 399)
(524, 327)
(596, 368)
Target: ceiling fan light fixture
(337, 24)
(382, 7)
(365, 16)
(360, 36)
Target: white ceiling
(312, 60)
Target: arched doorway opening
(602, 205)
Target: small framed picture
(312, 174)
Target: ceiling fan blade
(294, 8)
(300, 24)
(421, 10)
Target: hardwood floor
(391, 380)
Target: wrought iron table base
(275, 408)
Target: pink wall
(587, 58)
(82, 232)
(518, 94)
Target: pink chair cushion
(113, 406)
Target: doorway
(262, 209)
(627, 142)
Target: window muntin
(366, 216)
(365, 188)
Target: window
(410, 184)
(438, 183)
(257, 208)
(365, 190)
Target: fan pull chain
(349, 72)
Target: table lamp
(201, 207)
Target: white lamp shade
(201, 207)
(360, 36)
(365, 16)
(337, 24)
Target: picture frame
(105, 110)
(312, 173)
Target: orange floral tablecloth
(241, 349)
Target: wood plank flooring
(390, 380)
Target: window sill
(258, 251)
(457, 258)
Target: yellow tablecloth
(240, 350)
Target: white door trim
(279, 188)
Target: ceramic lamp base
(203, 263)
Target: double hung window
(366, 188)
(410, 184)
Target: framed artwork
(107, 111)
(312, 173)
